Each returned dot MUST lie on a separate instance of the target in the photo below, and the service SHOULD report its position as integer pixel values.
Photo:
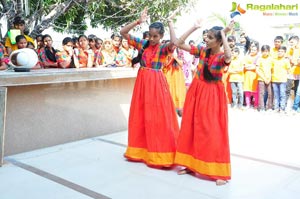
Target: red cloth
(203, 144)
(153, 126)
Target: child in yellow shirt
(236, 79)
(280, 69)
(263, 70)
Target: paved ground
(265, 165)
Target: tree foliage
(71, 16)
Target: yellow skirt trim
(150, 158)
(201, 167)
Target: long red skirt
(203, 143)
(153, 126)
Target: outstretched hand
(229, 27)
(199, 23)
(173, 14)
(144, 15)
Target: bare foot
(220, 182)
(184, 171)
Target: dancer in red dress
(153, 126)
(203, 143)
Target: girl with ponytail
(203, 144)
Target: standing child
(280, 70)
(294, 76)
(296, 104)
(203, 143)
(188, 66)
(250, 81)
(264, 66)
(153, 127)
(175, 78)
(236, 79)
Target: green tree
(70, 16)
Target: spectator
(84, 56)
(47, 53)
(125, 55)
(116, 41)
(236, 78)
(65, 57)
(19, 24)
(280, 69)
(108, 53)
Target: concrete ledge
(47, 76)
(49, 107)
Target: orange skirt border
(212, 170)
(157, 159)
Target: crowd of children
(77, 52)
(263, 78)
(258, 77)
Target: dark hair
(295, 37)
(29, 43)
(92, 38)
(216, 30)
(145, 34)
(231, 38)
(279, 38)
(115, 34)
(236, 49)
(39, 35)
(18, 20)
(265, 48)
(66, 40)
(282, 48)
(191, 41)
(74, 39)
(19, 37)
(159, 26)
(82, 36)
(255, 43)
(45, 36)
(204, 31)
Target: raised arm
(227, 50)
(125, 30)
(171, 27)
(180, 42)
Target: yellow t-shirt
(294, 55)
(14, 46)
(236, 70)
(264, 66)
(274, 52)
(280, 69)
(296, 69)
